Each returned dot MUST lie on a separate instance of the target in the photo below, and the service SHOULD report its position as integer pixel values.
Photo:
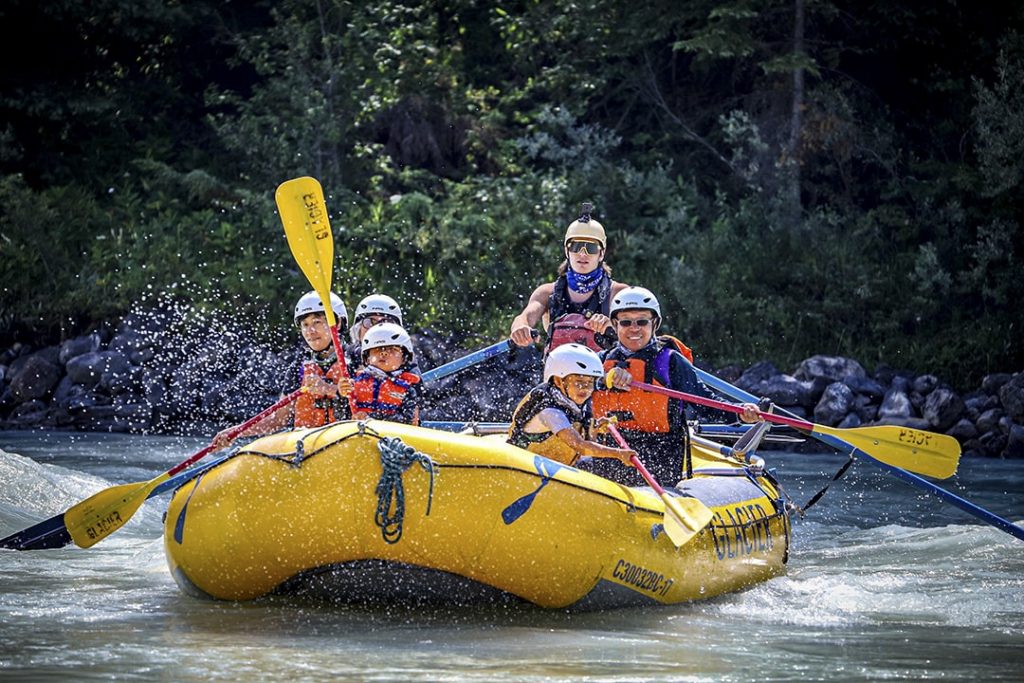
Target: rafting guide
(578, 300)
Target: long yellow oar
(89, 522)
(684, 517)
(843, 446)
(915, 450)
(300, 201)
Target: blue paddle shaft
(458, 364)
(981, 513)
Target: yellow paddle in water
(915, 450)
(300, 201)
(103, 513)
(684, 517)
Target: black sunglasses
(642, 322)
(576, 246)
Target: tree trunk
(796, 121)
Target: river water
(884, 582)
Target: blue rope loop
(395, 459)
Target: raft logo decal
(641, 579)
(746, 531)
(546, 469)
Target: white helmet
(585, 227)
(572, 359)
(636, 298)
(387, 334)
(310, 303)
(378, 304)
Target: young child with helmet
(554, 418)
(575, 306)
(326, 384)
(386, 388)
(373, 309)
(652, 423)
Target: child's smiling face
(577, 387)
(315, 331)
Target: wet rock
(78, 346)
(28, 413)
(963, 431)
(896, 404)
(924, 384)
(755, 375)
(88, 369)
(864, 385)
(992, 444)
(865, 408)
(835, 404)
(942, 408)
(35, 378)
(834, 368)
(786, 390)
(991, 384)
(989, 420)
(850, 421)
(912, 422)
(1011, 395)
(916, 401)
(1014, 442)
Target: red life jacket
(382, 397)
(570, 329)
(317, 411)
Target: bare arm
(594, 450)
(531, 315)
(279, 419)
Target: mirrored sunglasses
(577, 246)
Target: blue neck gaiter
(580, 283)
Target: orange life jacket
(382, 397)
(317, 411)
(637, 410)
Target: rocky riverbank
(159, 372)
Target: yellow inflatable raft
(378, 511)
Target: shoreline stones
(160, 373)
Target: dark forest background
(790, 178)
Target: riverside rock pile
(160, 373)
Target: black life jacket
(600, 300)
(540, 398)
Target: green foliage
(877, 216)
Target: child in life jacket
(554, 419)
(386, 388)
(326, 385)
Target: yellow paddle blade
(933, 455)
(100, 515)
(684, 517)
(300, 202)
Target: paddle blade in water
(684, 517)
(100, 515)
(300, 202)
